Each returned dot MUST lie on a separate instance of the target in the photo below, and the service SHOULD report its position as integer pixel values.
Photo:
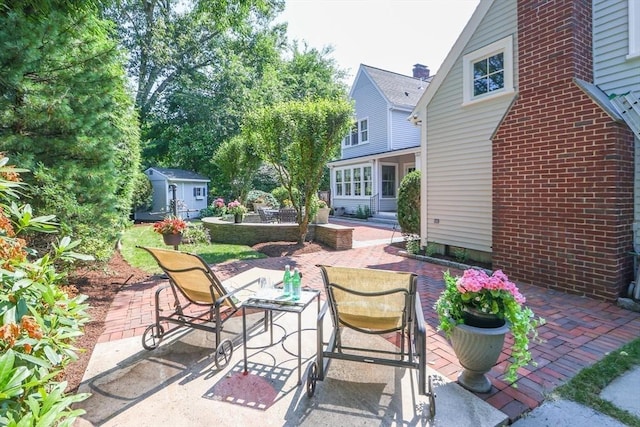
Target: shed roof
(178, 174)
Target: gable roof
(399, 90)
(178, 174)
(448, 63)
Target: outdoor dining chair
(376, 302)
(191, 278)
(288, 215)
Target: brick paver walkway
(579, 331)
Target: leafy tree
(65, 115)
(409, 204)
(237, 163)
(298, 138)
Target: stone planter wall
(248, 233)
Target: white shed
(190, 193)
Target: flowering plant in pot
(170, 225)
(478, 294)
(236, 208)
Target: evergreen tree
(66, 116)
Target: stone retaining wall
(335, 236)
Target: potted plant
(322, 214)
(171, 228)
(475, 312)
(237, 209)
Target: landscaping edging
(441, 261)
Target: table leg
(299, 348)
(244, 339)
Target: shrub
(281, 194)
(261, 196)
(409, 203)
(39, 320)
(196, 233)
(363, 212)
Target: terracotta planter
(477, 349)
(172, 239)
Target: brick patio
(579, 331)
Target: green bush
(265, 197)
(409, 203)
(196, 233)
(281, 194)
(39, 320)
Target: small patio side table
(272, 300)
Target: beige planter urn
(477, 349)
(322, 216)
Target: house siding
(457, 156)
(403, 133)
(613, 73)
(563, 169)
(372, 105)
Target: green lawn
(586, 386)
(143, 235)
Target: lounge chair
(191, 278)
(375, 302)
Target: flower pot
(322, 216)
(477, 350)
(237, 218)
(479, 319)
(172, 239)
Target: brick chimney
(420, 71)
(562, 168)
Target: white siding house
(383, 146)
(190, 188)
(456, 153)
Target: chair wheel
(312, 377)
(223, 353)
(152, 336)
(432, 399)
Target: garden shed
(188, 188)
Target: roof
(400, 90)
(179, 174)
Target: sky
(389, 34)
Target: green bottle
(286, 281)
(296, 285)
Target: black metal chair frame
(412, 350)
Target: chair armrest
(421, 327)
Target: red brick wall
(562, 169)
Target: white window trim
(352, 182)
(634, 30)
(360, 142)
(395, 190)
(505, 46)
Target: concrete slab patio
(179, 384)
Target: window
(199, 192)
(388, 181)
(364, 130)
(634, 29)
(488, 72)
(347, 182)
(368, 188)
(359, 133)
(355, 182)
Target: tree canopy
(298, 138)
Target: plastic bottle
(296, 284)
(286, 281)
